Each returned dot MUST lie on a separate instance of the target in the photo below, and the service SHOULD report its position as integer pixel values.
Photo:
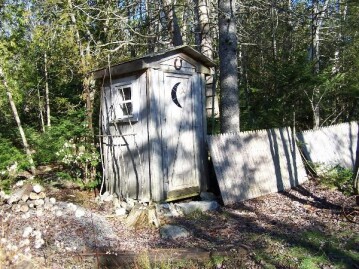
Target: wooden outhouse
(154, 125)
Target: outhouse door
(179, 158)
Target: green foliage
(12, 160)
(67, 142)
(68, 176)
(62, 175)
(47, 145)
(337, 177)
(213, 125)
(80, 158)
(6, 182)
(11, 155)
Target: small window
(125, 102)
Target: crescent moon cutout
(174, 95)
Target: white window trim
(115, 112)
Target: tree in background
(227, 52)
(11, 41)
(281, 63)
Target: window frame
(118, 100)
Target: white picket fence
(332, 145)
(252, 164)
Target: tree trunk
(153, 26)
(47, 92)
(229, 102)
(173, 27)
(197, 29)
(89, 102)
(356, 169)
(274, 26)
(17, 119)
(206, 39)
(40, 111)
(84, 55)
(342, 11)
(317, 22)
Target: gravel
(68, 234)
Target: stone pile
(28, 196)
(138, 213)
(123, 207)
(119, 207)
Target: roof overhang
(142, 63)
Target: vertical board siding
(125, 147)
(154, 92)
(159, 151)
(252, 164)
(332, 145)
(179, 131)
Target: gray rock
(106, 197)
(24, 208)
(17, 195)
(116, 202)
(174, 211)
(37, 188)
(173, 232)
(72, 207)
(120, 211)
(34, 196)
(193, 206)
(127, 206)
(20, 183)
(15, 208)
(164, 210)
(4, 196)
(39, 212)
(42, 195)
(79, 213)
(39, 202)
(48, 205)
(123, 204)
(58, 213)
(27, 232)
(130, 202)
(25, 197)
(26, 215)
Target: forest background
(280, 63)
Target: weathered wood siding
(159, 150)
(332, 145)
(155, 135)
(252, 164)
(176, 131)
(125, 143)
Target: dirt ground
(307, 219)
